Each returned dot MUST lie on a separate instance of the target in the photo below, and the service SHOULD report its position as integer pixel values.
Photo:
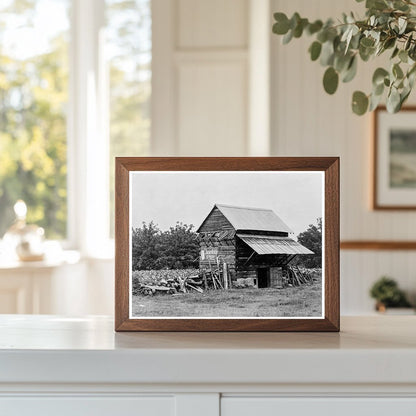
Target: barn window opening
(263, 277)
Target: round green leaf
(322, 36)
(393, 101)
(389, 43)
(327, 54)
(367, 42)
(412, 52)
(351, 71)
(376, 4)
(403, 55)
(294, 20)
(395, 52)
(288, 37)
(315, 50)
(408, 42)
(374, 102)
(397, 71)
(411, 76)
(330, 80)
(411, 71)
(314, 27)
(403, 96)
(298, 30)
(359, 103)
(281, 27)
(378, 89)
(366, 53)
(400, 5)
(379, 75)
(341, 61)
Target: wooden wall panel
(200, 79)
(359, 269)
(212, 108)
(212, 24)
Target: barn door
(276, 277)
(263, 277)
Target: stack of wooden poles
(296, 277)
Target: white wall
(203, 86)
(308, 122)
(200, 77)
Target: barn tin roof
(253, 219)
(274, 245)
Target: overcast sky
(188, 197)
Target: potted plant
(389, 27)
(387, 294)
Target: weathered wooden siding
(246, 273)
(215, 222)
(217, 247)
(276, 277)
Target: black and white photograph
(226, 244)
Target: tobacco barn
(249, 243)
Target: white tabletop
(51, 332)
(376, 349)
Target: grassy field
(305, 300)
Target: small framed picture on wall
(394, 159)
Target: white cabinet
(88, 406)
(271, 406)
(203, 405)
(80, 366)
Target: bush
(386, 291)
(311, 239)
(152, 249)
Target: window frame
(87, 128)
(87, 133)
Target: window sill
(50, 261)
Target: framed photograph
(227, 244)
(394, 179)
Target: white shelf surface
(53, 349)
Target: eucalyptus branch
(388, 25)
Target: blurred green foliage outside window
(33, 99)
(34, 91)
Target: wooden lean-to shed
(254, 244)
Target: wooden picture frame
(394, 184)
(132, 167)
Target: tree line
(178, 247)
(311, 239)
(153, 249)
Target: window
(33, 98)
(75, 87)
(129, 43)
